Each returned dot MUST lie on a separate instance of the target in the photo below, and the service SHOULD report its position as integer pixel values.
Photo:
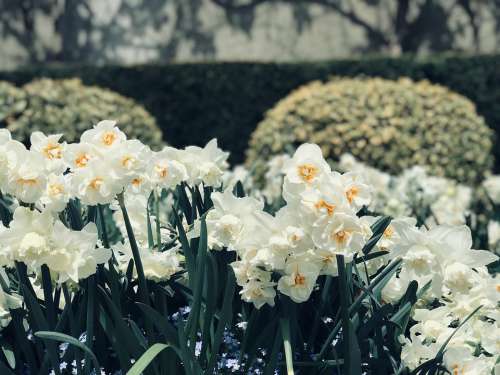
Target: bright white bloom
(494, 235)
(35, 239)
(158, 266)
(8, 302)
(166, 170)
(299, 279)
(26, 175)
(57, 192)
(96, 184)
(51, 149)
(492, 187)
(105, 135)
(206, 164)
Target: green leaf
(145, 359)
(352, 354)
(61, 337)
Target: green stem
(143, 287)
(157, 215)
(285, 331)
(91, 286)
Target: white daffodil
(105, 135)
(57, 192)
(341, 233)
(158, 266)
(206, 164)
(306, 167)
(26, 175)
(299, 279)
(51, 149)
(79, 155)
(96, 184)
(356, 191)
(166, 172)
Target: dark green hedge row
(196, 102)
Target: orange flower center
(162, 171)
(127, 161)
(27, 181)
(56, 189)
(307, 172)
(52, 151)
(82, 160)
(136, 181)
(351, 193)
(330, 208)
(299, 279)
(388, 232)
(96, 183)
(341, 236)
(109, 138)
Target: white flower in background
(459, 360)
(51, 149)
(105, 135)
(492, 187)
(238, 174)
(357, 192)
(138, 215)
(206, 164)
(299, 279)
(158, 266)
(494, 235)
(166, 170)
(8, 302)
(273, 185)
(57, 192)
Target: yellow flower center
(330, 208)
(498, 288)
(307, 172)
(351, 193)
(162, 171)
(82, 160)
(53, 151)
(108, 138)
(341, 236)
(388, 232)
(56, 189)
(27, 181)
(136, 181)
(96, 183)
(127, 161)
(299, 279)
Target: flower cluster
(300, 242)
(459, 284)
(287, 252)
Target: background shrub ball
(12, 102)
(69, 107)
(390, 125)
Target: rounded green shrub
(390, 125)
(69, 107)
(12, 103)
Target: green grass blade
(61, 337)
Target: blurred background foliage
(195, 102)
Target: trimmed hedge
(196, 102)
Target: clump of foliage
(12, 102)
(67, 106)
(390, 125)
